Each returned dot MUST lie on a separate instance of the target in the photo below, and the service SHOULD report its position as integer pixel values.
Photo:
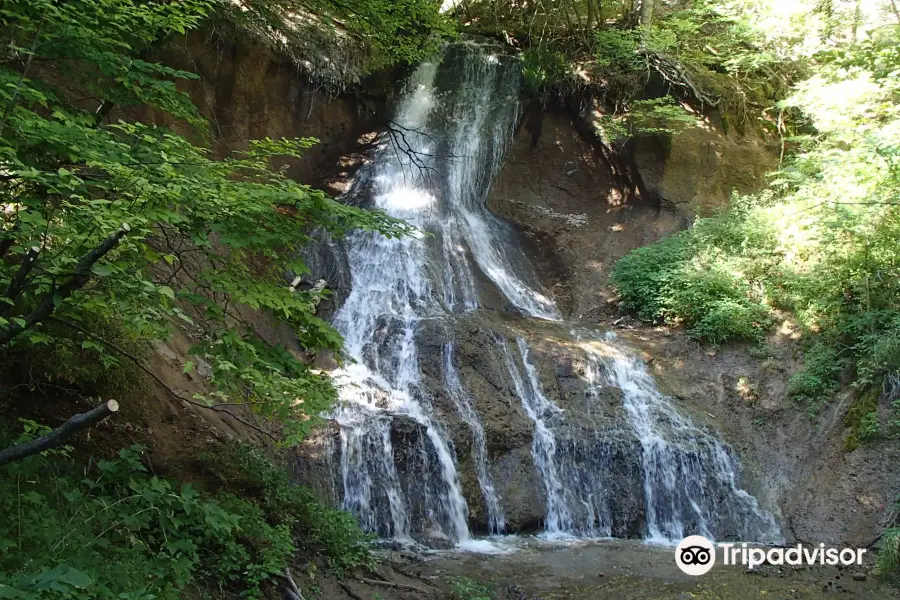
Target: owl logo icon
(695, 555)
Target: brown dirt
(248, 92)
(576, 219)
(696, 171)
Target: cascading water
(463, 403)
(543, 447)
(398, 465)
(690, 476)
(434, 174)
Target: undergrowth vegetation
(819, 246)
(889, 556)
(110, 528)
(465, 588)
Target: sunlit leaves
(206, 241)
(820, 244)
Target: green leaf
(102, 270)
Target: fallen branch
(55, 437)
(349, 591)
(394, 584)
(291, 592)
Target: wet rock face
(595, 444)
(594, 441)
(521, 490)
(416, 464)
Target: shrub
(543, 71)
(862, 420)
(112, 530)
(690, 278)
(335, 534)
(727, 320)
(642, 277)
(818, 380)
(888, 566)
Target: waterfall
(690, 476)
(433, 171)
(463, 403)
(543, 447)
(399, 467)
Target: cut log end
(112, 406)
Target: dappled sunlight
(615, 197)
(367, 138)
(788, 330)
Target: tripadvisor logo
(696, 555)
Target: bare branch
(291, 592)
(17, 283)
(81, 276)
(58, 435)
(349, 591)
(394, 584)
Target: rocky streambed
(630, 570)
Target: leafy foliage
(544, 71)
(114, 530)
(335, 534)
(889, 556)
(818, 380)
(132, 224)
(339, 42)
(689, 278)
(465, 588)
(820, 244)
(862, 420)
(713, 53)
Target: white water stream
(398, 466)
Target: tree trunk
(646, 15)
(895, 10)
